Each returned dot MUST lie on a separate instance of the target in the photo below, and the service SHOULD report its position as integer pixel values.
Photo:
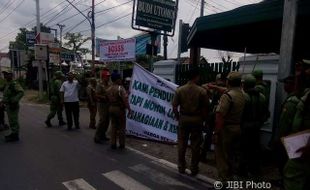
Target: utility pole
(202, 7)
(286, 62)
(61, 26)
(40, 74)
(195, 51)
(92, 25)
(93, 36)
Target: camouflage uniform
(254, 116)
(12, 94)
(55, 105)
(192, 101)
(118, 103)
(230, 108)
(261, 86)
(297, 171)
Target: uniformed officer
(288, 109)
(227, 128)
(103, 107)
(261, 85)
(55, 105)
(297, 171)
(190, 104)
(12, 94)
(118, 103)
(92, 102)
(254, 116)
(214, 96)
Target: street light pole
(92, 24)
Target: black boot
(12, 137)
(48, 123)
(62, 123)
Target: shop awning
(256, 27)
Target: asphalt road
(53, 158)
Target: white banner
(151, 103)
(118, 50)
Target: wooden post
(194, 55)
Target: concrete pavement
(53, 158)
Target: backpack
(254, 114)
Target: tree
(20, 40)
(75, 41)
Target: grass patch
(33, 96)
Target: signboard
(40, 52)
(30, 39)
(45, 38)
(151, 104)
(118, 50)
(141, 42)
(67, 56)
(155, 15)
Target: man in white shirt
(70, 98)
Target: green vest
(12, 94)
(255, 110)
(301, 119)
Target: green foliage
(75, 41)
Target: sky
(112, 19)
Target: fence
(208, 71)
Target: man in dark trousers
(70, 98)
(190, 105)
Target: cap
(105, 73)
(257, 73)
(58, 74)
(288, 79)
(115, 76)
(249, 80)
(234, 76)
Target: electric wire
(4, 6)
(12, 11)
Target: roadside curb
(174, 167)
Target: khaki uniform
(103, 111)
(92, 105)
(231, 107)
(118, 102)
(192, 100)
